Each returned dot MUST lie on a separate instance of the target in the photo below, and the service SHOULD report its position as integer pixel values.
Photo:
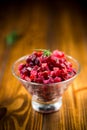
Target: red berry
(52, 68)
(57, 79)
(38, 53)
(58, 54)
(21, 66)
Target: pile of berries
(45, 67)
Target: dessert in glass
(46, 75)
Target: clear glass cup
(46, 98)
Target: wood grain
(41, 25)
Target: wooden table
(41, 25)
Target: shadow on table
(12, 116)
(3, 111)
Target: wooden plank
(74, 115)
(16, 99)
(40, 29)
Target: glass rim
(41, 84)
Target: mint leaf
(47, 53)
(11, 38)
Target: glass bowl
(46, 98)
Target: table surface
(50, 27)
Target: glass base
(47, 108)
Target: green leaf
(11, 38)
(45, 52)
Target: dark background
(53, 6)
